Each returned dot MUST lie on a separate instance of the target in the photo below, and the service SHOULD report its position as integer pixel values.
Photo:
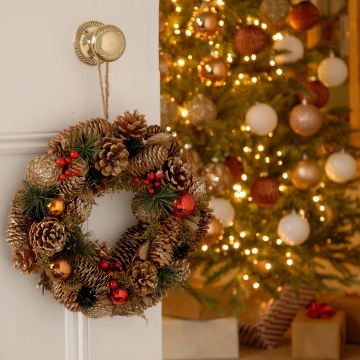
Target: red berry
(68, 159)
(105, 265)
(117, 266)
(151, 176)
(76, 172)
(110, 273)
(113, 284)
(136, 180)
(146, 182)
(151, 191)
(68, 172)
(159, 174)
(60, 162)
(119, 296)
(74, 154)
(62, 177)
(157, 184)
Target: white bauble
(293, 46)
(261, 119)
(340, 167)
(332, 71)
(293, 229)
(223, 210)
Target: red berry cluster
(152, 181)
(64, 163)
(117, 295)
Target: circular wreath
(88, 160)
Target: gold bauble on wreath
(59, 269)
(205, 23)
(56, 207)
(306, 174)
(166, 67)
(213, 71)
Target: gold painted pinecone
(112, 158)
(174, 149)
(144, 275)
(47, 237)
(130, 125)
(178, 174)
(43, 171)
(24, 260)
(183, 268)
(74, 185)
(153, 130)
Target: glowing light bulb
(184, 112)
(289, 262)
(279, 71)
(257, 156)
(236, 245)
(221, 22)
(265, 238)
(247, 252)
(253, 57)
(278, 241)
(322, 208)
(263, 26)
(261, 148)
(256, 285)
(322, 219)
(272, 62)
(268, 266)
(237, 187)
(204, 248)
(285, 175)
(246, 277)
(188, 32)
(176, 26)
(225, 247)
(242, 234)
(178, 9)
(246, 149)
(246, 58)
(316, 198)
(244, 177)
(267, 160)
(288, 254)
(254, 250)
(254, 80)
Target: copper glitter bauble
(250, 40)
(305, 120)
(235, 166)
(265, 191)
(43, 171)
(215, 232)
(274, 11)
(205, 24)
(169, 111)
(306, 174)
(304, 16)
(59, 270)
(163, 24)
(166, 67)
(184, 205)
(320, 93)
(213, 71)
(56, 207)
(218, 178)
(201, 109)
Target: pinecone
(183, 268)
(153, 157)
(65, 140)
(203, 225)
(153, 130)
(127, 245)
(64, 296)
(74, 185)
(47, 237)
(144, 275)
(24, 260)
(80, 208)
(43, 171)
(102, 250)
(174, 149)
(162, 247)
(112, 158)
(131, 125)
(198, 189)
(178, 174)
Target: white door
(43, 89)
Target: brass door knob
(96, 42)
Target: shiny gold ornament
(274, 11)
(205, 23)
(169, 111)
(43, 171)
(80, 208)
(166, 67)
(201, 109)
(59, 270)
(215, 232)
(218, 178)
(56, 207)
(213, 71)
(306, 174)
(305, 120)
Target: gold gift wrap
(318, 339)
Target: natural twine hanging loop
(104, 85)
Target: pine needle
(86, 146)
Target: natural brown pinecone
(47, 237)
(24, 260)
(183, 268)
(130, 125)
(74, 185)
(112, 158)
(151, 158)
(162, 247)
(64, 296)
(178, 174)
(128, 244)
(203, 225)
(144, 274)
(65, 140)
(153, 130)
(198, 189)
(174, 149)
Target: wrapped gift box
(318, 339)
(200, 339)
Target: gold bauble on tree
(59, 270)
(215, 232)
(201, 109)
(56, 207)
(305, 119)
(306, 174)
(274, 11)
(166, 67)
(205, 23)
(218, 178)
(213, 71)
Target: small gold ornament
(201, 109)
(218, 178)
(306, 174)
(215, 232)
(213, 71)
(56, 207)
(59, 270)
(205, 23)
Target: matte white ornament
(293, 46)
(293, 229)
(332, 71)
(222, 210)
(261, 119)
(340, 167)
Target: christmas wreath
(86, 161)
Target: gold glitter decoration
(43, 171)
(80, 208)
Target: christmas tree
(248, 101)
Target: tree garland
(86, 161)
